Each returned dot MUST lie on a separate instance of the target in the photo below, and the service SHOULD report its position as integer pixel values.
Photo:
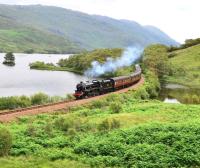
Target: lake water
(20, 80)
(174, 93)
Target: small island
(9, 59)
(79, 63)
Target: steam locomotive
(96, 87)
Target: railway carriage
(94, 88)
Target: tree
(9, 59)
(156, 60)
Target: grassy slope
(151, 134)
(20, 38)
(25, 162)
(189, 60)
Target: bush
(55, 99)
(71, 132)
(115, 124)
(14, 102)
(186, 98)
(195, 99)
(107, 125)
(104, 126)
(141, 93)
(31, 130)
(48, 129)
(5, 142)
(24, 101)
(39, 98)
(65, 124)
(116, 107)
(98, 103)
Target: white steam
(129, 56)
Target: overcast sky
(178, 18)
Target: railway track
(48, 108)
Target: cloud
(178, 18)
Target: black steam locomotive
(96, 87)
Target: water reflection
(173, 93)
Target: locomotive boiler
(99, 87)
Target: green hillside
(19, 38)
(179, 65)
(118, 131)
(52, 28)
(186, 63)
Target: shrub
(64, 124)
(5, 142)
(116, 107)
(111, 98)
(141, 93)
(107, 125)
(71, 132)
(186, 98)
(104, 126)
(54, 99)
(115, 124)
(31, 130)
(39, 98)
(98, 104)
(195, 99)
(48, 129)
(24, 101)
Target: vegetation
(188, 43)
(185, 65)
(28, 40)
(5, 142)
(181, 66)
(9, 59)
(146, 134)
(50, 67)
(120, 130)
(155, 59)
(25, 101)
(82, 62)
(46, 29)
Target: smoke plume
(129, 56)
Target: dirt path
(59, 106)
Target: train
(98, 87)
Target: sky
(178, 18)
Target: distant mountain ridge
(54, 29)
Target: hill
(52, 28)
(22, 38)
(186, 65)
(179, 65)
